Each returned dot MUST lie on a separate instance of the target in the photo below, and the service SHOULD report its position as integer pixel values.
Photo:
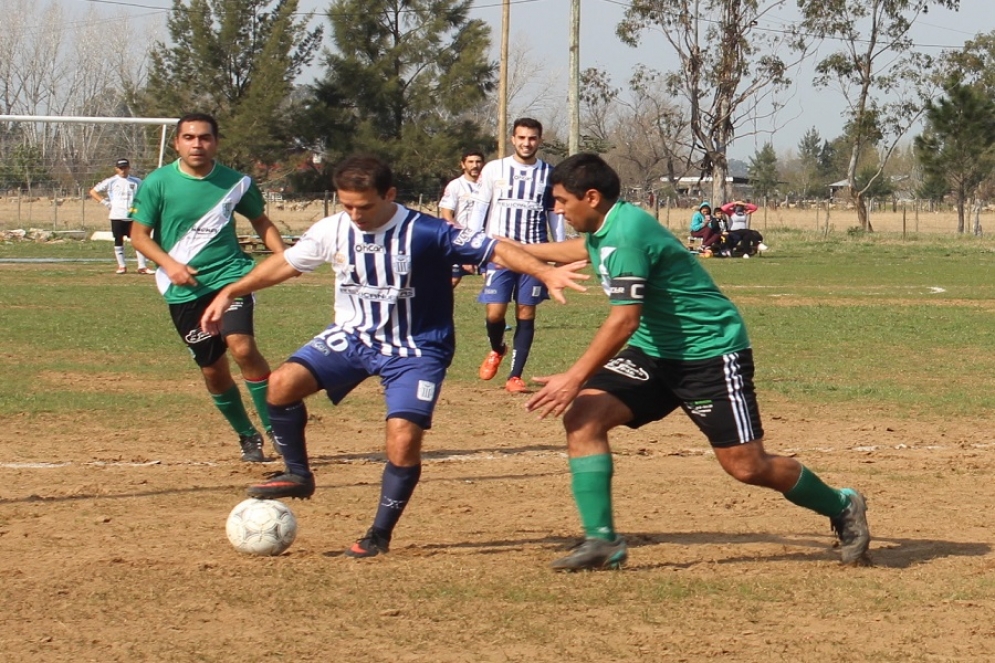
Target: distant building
(701, 187)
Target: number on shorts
(335, 339)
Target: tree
(763, 172)
(974, 64)
(884, 81)
(807, 175)
(235, 59)
(729, 68)
(76, 67)
(958, 145)
(411, 72)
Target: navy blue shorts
(339, 362)
(503, 285)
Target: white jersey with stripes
(458, 197)
(120, 194)
(392, 286)
(515, 200)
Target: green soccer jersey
(684, 314)
(191, 219)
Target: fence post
(326, 202)
(55, 209)
(903, 220)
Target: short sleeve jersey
(120, 194)
(458, 197)
(191, 219)
(392, 286)
(684, 316)
(518, 198)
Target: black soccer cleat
(252, 448)
(371, 545)
(283, 484)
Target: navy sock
(525, 331)
(289, 422)
(396, 488)
(495, 334)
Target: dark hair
(198, 117)
(739, 209)
(528, 123)
(362, 172)
(471, 153)
(582, 172)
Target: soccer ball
(261, 527)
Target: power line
(628, 5)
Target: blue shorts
(339, 362)
(503, 285)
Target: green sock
(592, 489)
(810, 492)
(258, 389)
(230, 404)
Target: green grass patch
(869, 320)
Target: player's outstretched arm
(268, 273)
(571, 250)
(560, 390)
(515, 258)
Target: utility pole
(503, 80)
(573, 88)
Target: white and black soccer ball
(261, 527)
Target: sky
(542, 27)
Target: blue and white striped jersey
(516, 201)
(392, 286)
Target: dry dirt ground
(113, 545)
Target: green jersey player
(671, 340)
(183, 222)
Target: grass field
(874, 367)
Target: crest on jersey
(227, 207)
(402, 264)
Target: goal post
(51, 162)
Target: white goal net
(51, 162)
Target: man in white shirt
(516, 192)
(120, 191)
(457, 199)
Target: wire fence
(69, 209)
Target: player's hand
(556, 395)
(565, 276)
(180, 274)
(210, 321)
(106, 202)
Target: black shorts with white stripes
(204, 348)
(718, 394)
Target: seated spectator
(702, 225)
(742, 240)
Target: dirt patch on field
(114, 548)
